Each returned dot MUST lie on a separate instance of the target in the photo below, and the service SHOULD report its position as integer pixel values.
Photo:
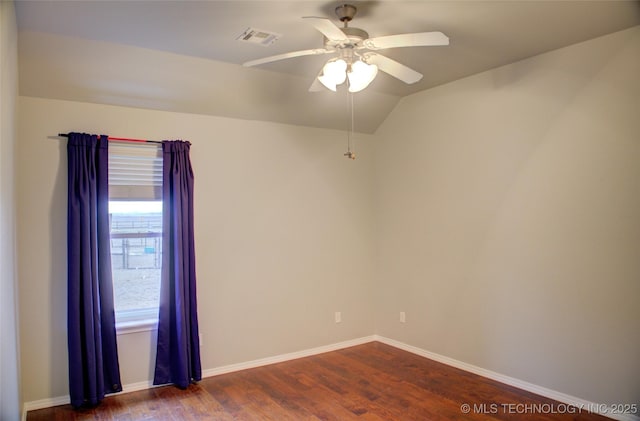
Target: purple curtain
(178, 351)
(93, 354)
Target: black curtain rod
(122, 139)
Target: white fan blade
(420, 39)
(328, 29)
(392, 67)
(292, 54)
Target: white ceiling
(182, 55)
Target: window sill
(124, 328)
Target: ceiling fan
(352, 60)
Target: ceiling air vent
(259, 37)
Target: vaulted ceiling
(183, 56)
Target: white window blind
(135, 172)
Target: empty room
(381, 210)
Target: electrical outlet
(338, 317)
(403, 317)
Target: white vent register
(259, 37)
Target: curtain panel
(178, 348)
(93, 354)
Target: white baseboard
(64, 400)
(286, 357)
(43, 403)
(520, 384)
(530, 387)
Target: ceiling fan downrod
(346, 12)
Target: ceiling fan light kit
(359, 68)
(361, 75)
(337, 71)
(333, 73)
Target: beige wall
(10, 403)
(508, 220)
(283, 236)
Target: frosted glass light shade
(361, 75)
(333, 73)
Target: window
(136, 258)
(135, 213)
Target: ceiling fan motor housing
(356, 37)
(355, 34)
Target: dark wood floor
(367, 382)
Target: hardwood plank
(370, 382)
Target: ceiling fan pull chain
(351, 154)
